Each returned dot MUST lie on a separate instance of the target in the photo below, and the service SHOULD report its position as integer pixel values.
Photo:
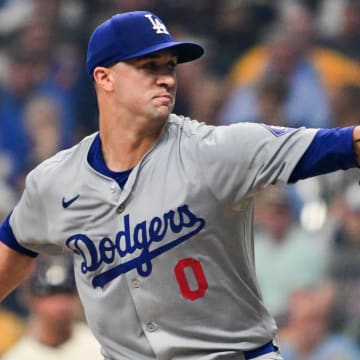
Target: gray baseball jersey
(165, 266)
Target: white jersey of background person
(82, 345)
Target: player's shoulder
(194, 128)
(187, 126)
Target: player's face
(146, 86)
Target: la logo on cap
(157, 25)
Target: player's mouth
(164, 98)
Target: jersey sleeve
(331, 150)
(238, 159)
(7, 237)
(26, 230)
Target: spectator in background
(13, 97)
(54, 330)
(13, 16)
(336, 68)
(56, 71)
(199, 91)
(61, 85)
(194, 16)
(333, 68)
(272, 94)
(238, 25)
(42, 123)
(344, 269)
(286, 256)
(38, 39)
(307, 333)
(38, 66)
(346, 38)
(307, 102)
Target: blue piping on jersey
(96, 160)
(8, 238)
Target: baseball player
(157, 208)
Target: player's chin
(165, 110)
(162, 116)
(159, 115)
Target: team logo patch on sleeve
(278, 130)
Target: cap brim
(186, 51)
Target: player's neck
(124, 143)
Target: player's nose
(167, 79)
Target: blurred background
(280, 62)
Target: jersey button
(151, 326)
(120, 208)
(135, 283)
(113, 188)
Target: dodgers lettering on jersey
(171, 223)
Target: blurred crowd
(282, 62)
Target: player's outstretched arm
(14, 269)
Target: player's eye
(171, 65)
(150, 65)
(159, 67)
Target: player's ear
(102, 78)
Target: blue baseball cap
(133, 34)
